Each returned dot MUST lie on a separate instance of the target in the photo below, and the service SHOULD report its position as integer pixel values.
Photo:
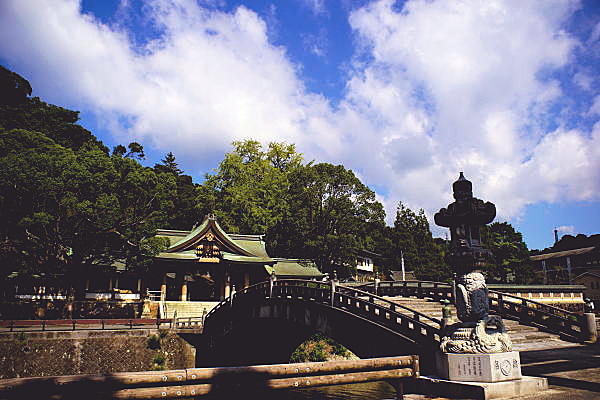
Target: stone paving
(573, 372)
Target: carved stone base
(486, 336)
(494, 367)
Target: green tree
(184, 213)
(248, 192)
(19, 111)
(331, 212)
(169, 165)
(511, 257)
(412, 239)
(64, 201)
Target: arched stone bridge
(264, 323)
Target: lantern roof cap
(463, 188)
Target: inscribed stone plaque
(493, 367)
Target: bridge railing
(528, 312)
(410, 323)
(420, 289)
(81, 324)
(538, 314)
(419, 327)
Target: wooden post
(246, 279)
(184, 290)
(163, 289)
(332, 291)
(589, 329)
(397, 384)
(227, 285)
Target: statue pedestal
(488, 367)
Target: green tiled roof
(238, 258)
(295, 268)
(234, 248)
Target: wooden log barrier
(201, 381)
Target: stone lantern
(477, 332)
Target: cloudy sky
(406, 94)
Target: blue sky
(406, 94)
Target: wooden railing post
(332, 292)
(588, 328)
(524, 311)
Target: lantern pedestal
(492, 367)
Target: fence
(74, 324)
(63, 309)
(202, 381)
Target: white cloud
(447, 87)
(584, 80)
(595, 107)
(316, 6)
(316, 43)
(566, 229)
(479, 70)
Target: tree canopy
(511, 262)
(248, 191)
(412, 239)
(64, 200)
(330, 215)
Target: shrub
(317, 353)
(154, 342)
(158, 362)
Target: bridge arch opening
(270, 330)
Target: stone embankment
(25, 354)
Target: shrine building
(208, 264)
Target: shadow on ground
(576, 367)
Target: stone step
(187, 309)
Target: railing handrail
(192, 382)
(414, 317)
(76, 324)
(540, 307)
(568, 318)
(392, 304)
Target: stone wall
(91, 352)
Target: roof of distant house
(559, 254)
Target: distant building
(591, 281)
(564, 266)
(397, 276)
(366, 268)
